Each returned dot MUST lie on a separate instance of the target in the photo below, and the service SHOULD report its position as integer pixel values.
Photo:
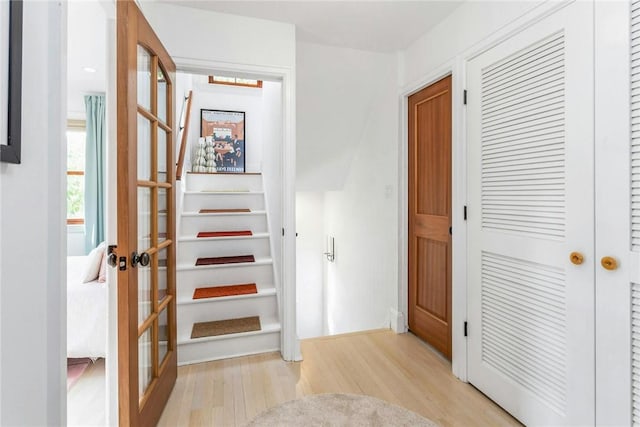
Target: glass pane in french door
(162, 155)
(162, 274)
(144, 78)
(162, 96)
(145, 362)
(163, 337)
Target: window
(234, 81)
(76, 143)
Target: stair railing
(183, 132)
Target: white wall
(75, 240)
(347, 138)
(272, 147)
(195, 33)
(469, 24)
(232, 98)
(337, 89)
(32, 234)
(310, 274)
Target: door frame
(456, 67)
(458, 199)
(286, 270)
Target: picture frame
(222, 142)
(11, 96)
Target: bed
(86, 312)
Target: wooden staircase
(226, 296)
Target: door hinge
(465, 212)
(465, 329)
(283, 231)
(464, 97)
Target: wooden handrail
(183, 142)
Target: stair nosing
(195, 238)
(268, 328)
(268, 292)
(225, 173)
(258, 261)
(208, 193)
(197, 214)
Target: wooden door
(530, 146)
(147, 359)
(430, 215)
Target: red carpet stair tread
(204, 211)
(225, 233)
(225, 291)
(225, 260)
(225, 327)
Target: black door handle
(142, 259)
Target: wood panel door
(430, 215)
(531, 220)
(147, 359)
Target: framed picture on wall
(10, 80)
(223, 133)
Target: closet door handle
(576, 258)
(609, 263)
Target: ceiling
(380, 26)
(86, 47)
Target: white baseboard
(398, 324)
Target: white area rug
(339, 410)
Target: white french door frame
(290, 345)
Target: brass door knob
(609, 263)
(576, 258)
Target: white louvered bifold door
(531, 204)
(633, 271)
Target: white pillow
(93, 264)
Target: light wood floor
(86, 400)
(400, 369)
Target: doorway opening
(87, 288)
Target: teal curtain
(94, 174)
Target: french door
(147, 359)
(531, 220)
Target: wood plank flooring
(400, 369)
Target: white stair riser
(197, 201)
(189, 251)
(191, 225)
(222, 349)
(188, 314)
(189, 280)
(197, 182)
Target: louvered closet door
(531, 203)
(635, 222)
